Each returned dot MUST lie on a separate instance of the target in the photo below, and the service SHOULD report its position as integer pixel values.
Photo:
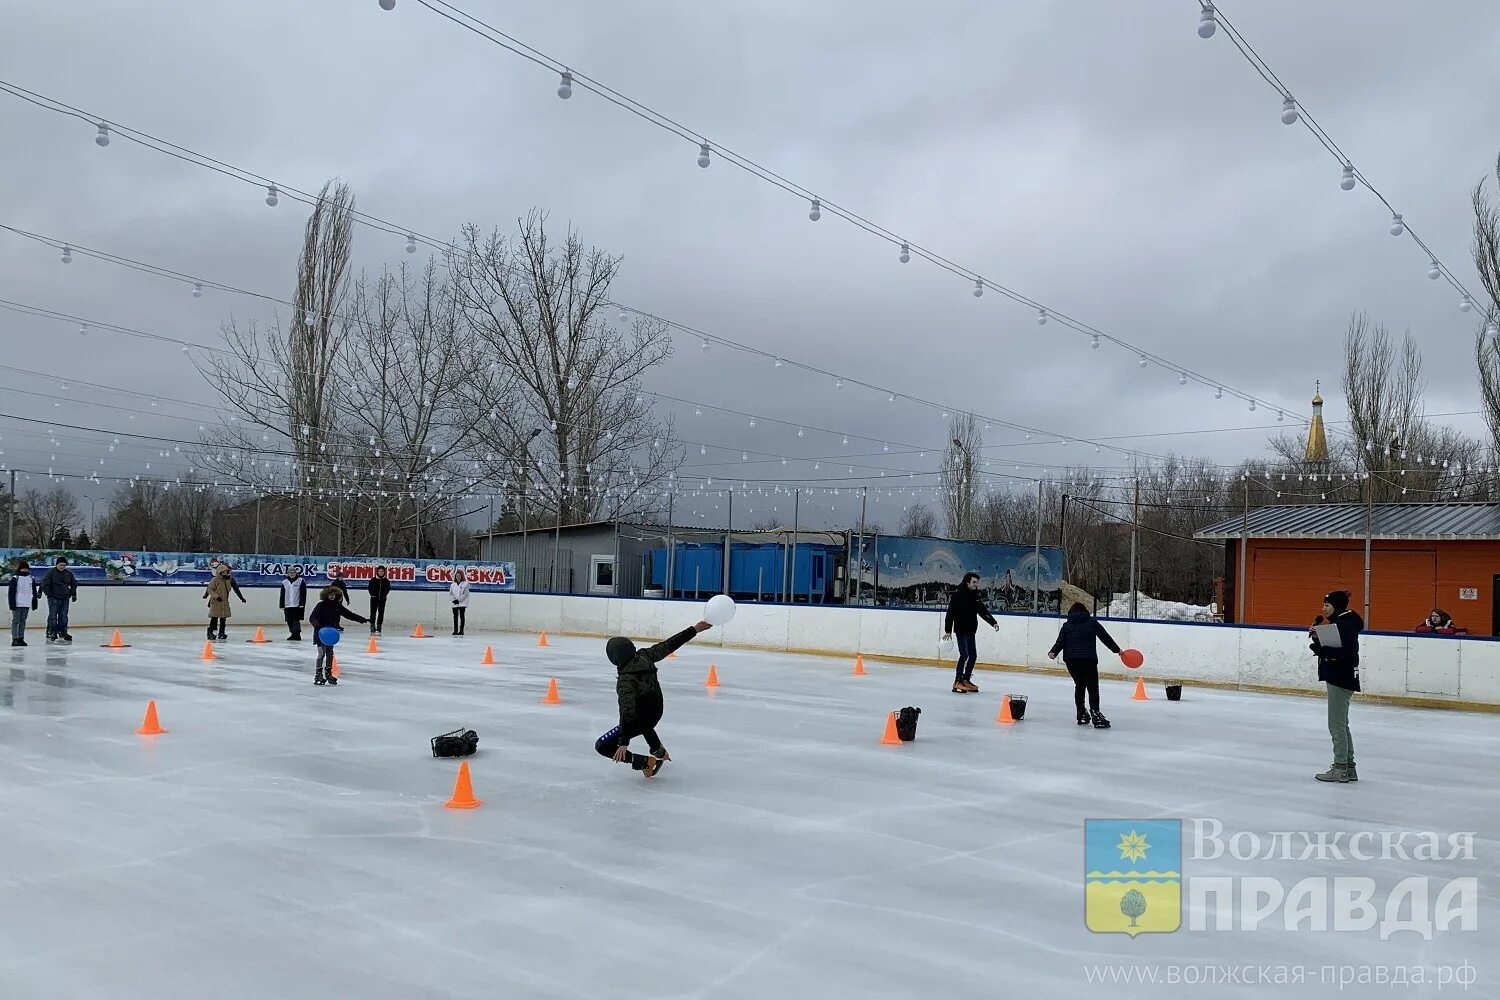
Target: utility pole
(556, 542)
(1244, 556)
(791, 587)
(257, 524)
(1135, 535)
(1062, 535)
(864, 496)
(10, 533)
(1036, 565)
(1369, 526)
(728, 527)
(671, 547)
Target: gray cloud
(1096, 156)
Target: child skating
(329, 612)
(640, 699)
(1077, 640)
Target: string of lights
(106, 128)
(817, 203)
(1294, 111)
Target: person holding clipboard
(1335, 642)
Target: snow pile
(1151, 608)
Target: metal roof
(1391, 522)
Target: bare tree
(278, 383)
(1486, 251)
(41, 515)
(918, 520)
(960, 475)
(412, 384)
(542, 311)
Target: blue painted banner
(94, 568)
(917, 572)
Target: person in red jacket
(1438, 621)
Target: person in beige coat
(217, 592)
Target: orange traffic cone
(489, 658)
(260, 635)
(417, 632)
(116, 642)
(1140, 690)
(463, 791)
(552, 698)
(208, 651)
(541, 641)
(150, 726)
(859, 666)
(333, 666)
(713, 677)
(373, 647)
(891, 737)
(1005, 715)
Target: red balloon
(1132, 658)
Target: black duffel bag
(906, 723)
(459, 743)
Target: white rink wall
(1463, 672)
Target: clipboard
(1328, 636)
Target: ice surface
(288, 841)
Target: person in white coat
(458, 592)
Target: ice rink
(288, 841)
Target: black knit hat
(1338, 600)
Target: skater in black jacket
(380, 589)
(1078, 641)
(640, 699)
(962, 621)
(329, 612)
(1338, 667)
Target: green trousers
(1338, 724)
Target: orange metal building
(1422, 556)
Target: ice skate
(661, 757)
(319, 678)
(958, 688)
(971, 687)
(1083, 718)
(66, 637)
(333, 680)
(1100, 722)
(653, 764)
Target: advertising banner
(923, 572)
(94, 568)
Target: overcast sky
(1096, 155)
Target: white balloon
(719, 610)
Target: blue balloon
(329, 636)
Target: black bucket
(906, 723)
(1174, 692)
(1017, 706)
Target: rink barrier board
(1428, 671)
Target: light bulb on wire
(1041, 317)
(1094, 343)
(1207, 24)
(816, 211)
(411, 243)
(272, 195)
(387, 4)
(1397, 226)
(197, 290)
(1182, 379)
(1346, 182)
(67, 254)
(1289, 110)
(1434, 272)
(703, 154)
(1143, 361)
(905, 253)
(102, 138)
(565, 85)
(1218, 393)
(978, 287)
(1465, 305)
